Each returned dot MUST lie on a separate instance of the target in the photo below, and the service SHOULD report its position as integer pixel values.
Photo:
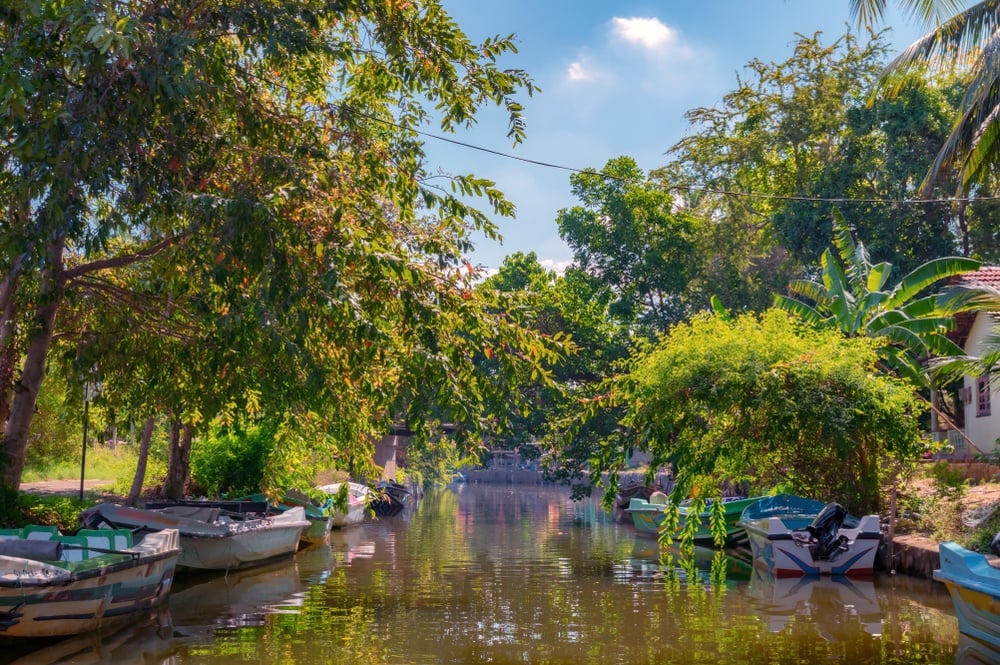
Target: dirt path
(65, 487)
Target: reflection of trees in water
(485, 576)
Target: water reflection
(524, 575)
(844, 606)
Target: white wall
(983, 430)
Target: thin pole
(83, 456)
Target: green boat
(320, 520)
(647, 516)
(736, 534)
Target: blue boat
(974, 586)
(792, 536)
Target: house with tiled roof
(975, 427)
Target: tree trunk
(178, 468)
(26, 388)
(140, 467)
(8, 336)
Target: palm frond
(808, 314)
(929, 273)
(835, 282)
(968, 297)
(812, 290)
(878, 275)
(957, 40)
(930, 12)
(952, 368)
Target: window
(983, 396)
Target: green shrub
(19, 509)
(231, 461)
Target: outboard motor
(822, 537)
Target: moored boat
(390, 498)
(733, 508)
(793, 536)
(974, 586)
(320, 518)
(647, 516)
(211, 538)
(56, 585)
(357, 503)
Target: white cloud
(650, 33)
(577, 71)
(559, 267)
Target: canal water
(521, 574)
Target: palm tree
(854, 295)
(966, 38)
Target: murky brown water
(488, 574)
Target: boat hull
(646, 517)
(733, 511)
(357, 504)
(319, 521)
(102, 592)
(217, 545)
(974, 587)
(770, 525)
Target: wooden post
(892, 526)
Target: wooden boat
(974, 586)
(390, 498)
(733, 508)
(56, 585)
(792, 536)
(320, 519)
(357, 503)
(647, 516)
(211, 537)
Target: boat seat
(111, 539)
(94, 538)
(8, 534)
(74, 548)
(40, 532)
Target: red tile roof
(986, 276)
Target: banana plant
(856, 296)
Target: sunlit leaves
(765, 400)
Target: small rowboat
(55, 585)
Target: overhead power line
(660, 185)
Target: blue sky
(616, 78)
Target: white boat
(791, 536)
(211, 538)
(974, 586)
(55, 585)
(357, 504)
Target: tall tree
(796, 138)
(628, 236)
(573, 307)
(960, 37)
(257, 165)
